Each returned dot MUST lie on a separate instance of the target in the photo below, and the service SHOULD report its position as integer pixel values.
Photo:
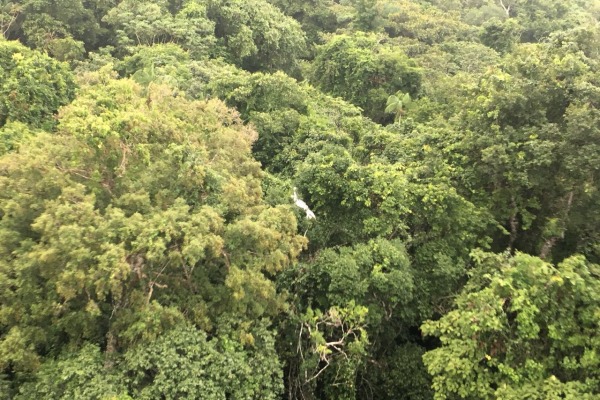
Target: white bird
(303, 205)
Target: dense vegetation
(150, 247)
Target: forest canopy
(321, 199)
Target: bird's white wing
(301, 204)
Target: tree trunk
(506, 8)
(551, 241)
(514, 225)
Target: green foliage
(9, 12)
(59, 27)
(366, 15)
(377, 275)
(397, 104)
(150, 246)
(179, 362)
(501, 35)
(33, 86)
(275, 104)
(363, 71)
(148, 23)
(335, 344)
(182, 362)
(161, 63)
(355, 203)
(80, 375)
(400, 375)
(257, 35)
(524, 128)
(293, 120)
(11, 135)
(429, 25)
(101, 244)
(521, 328)
(473, 12)
(541, 17)
(316, 16)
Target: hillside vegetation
(156, 157)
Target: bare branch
(506, 8)
(155, 283)
(13, 13)
(320, 371)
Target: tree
(62, 28)
(33, 86)
(181, 361)
(293, 120)
(143, 212)
(521, 328)
(159, 64)
(8, 16)
(363, 71)
(316, 16)
(76, 375)
(426, 24)
(398, 104)
(501, 36)
(366, 15)
(12, 135)
(506, 132)
(150, 246)
(257, 35)
(140, 23)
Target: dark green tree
(364, 71)
(257, 35)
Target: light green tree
(33, 86)
(144, 211)
(363, 71)
(398, 104)
(522, 328)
